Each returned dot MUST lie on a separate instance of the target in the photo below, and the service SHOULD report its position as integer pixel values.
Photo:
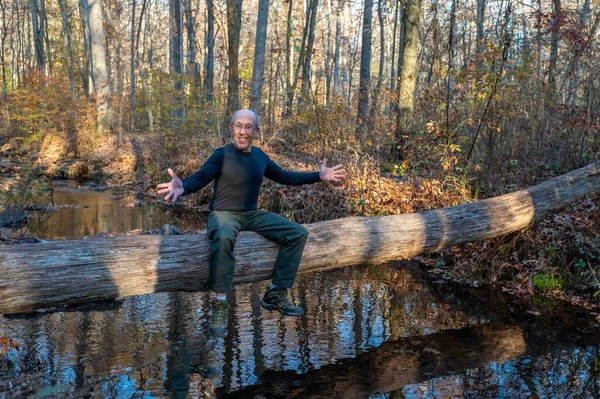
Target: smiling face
(244, 129)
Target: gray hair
(241, 110)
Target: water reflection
(369, 331)
(95, 211)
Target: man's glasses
(238, 127)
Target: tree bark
(87, 74)
(176, 58)
(67, 39)
(234, 22)
(554, 39)
(259, 56)
(42, 275)
(364, 85)
(407, 74)
(98, 43)
(37, 24)
(310, 43)
(209, 40)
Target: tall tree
(377, 91)
(365, 66)
(289, 52)
(101, 86)
(554, 39)
(408, 76)
(37, 24)
(259, 55)
(480, 18)
(87, 73)
(209, 42)
(176, 57)
(234, 22)
(306, 66)
(336, 51)
(2, 49)
(67, 41)
(193, 66)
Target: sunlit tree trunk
(101, 87)
(176, 58)
(408, 76)
(234, 22)
(364, 85)
(209, 41)
(336, 52)
(377, 91)
(87, 73)
(259, 55)
(116, 30)
(393, 69)
(67, 40)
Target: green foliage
(546, 283)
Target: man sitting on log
(238, 170)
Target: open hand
(174, 188)
(334, 174)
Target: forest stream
(387, 331)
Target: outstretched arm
(331, 175)
(174, 188)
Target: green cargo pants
(223, 229)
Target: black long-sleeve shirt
(238, 176)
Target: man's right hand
(174, 188)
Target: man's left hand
(334, 174)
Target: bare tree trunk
(408, 75)
(3, 53)
(37, 25)
(67, 39)
(193, 65)
(450, 65)
(373, 114)
(306, 67)
(480, 19)
(117, 34)
(393, 69)
(34, 276)
(364, 85)
(176, 59)
(44, 22)
(88, 73)
(101, 89)
(234, 22)
(336, 52)
(288, 58)
(209, 40)
(259, 56)
(580, 46)
(555, 37)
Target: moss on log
(35, 276)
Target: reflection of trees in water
(566, 373)
(135, 347)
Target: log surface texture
(35, 276)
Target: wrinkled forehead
(244, 117)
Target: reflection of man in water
(238, 170)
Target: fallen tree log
(35, 276)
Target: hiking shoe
(217, 326)
(277, 299)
